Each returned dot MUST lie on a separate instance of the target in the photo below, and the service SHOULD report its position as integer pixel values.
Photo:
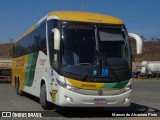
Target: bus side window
(54, 57)
(40, 38)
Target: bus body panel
(31, 69)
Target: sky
(140, 16)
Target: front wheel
(43, 98)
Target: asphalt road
(145, 98)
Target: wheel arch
(44, 81)
(16, 78)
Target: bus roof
(85, 17)
(77, 16)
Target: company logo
(100, 92)
(6, 114)
(20, 114)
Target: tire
(43, 98)
(18, 91)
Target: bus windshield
(83, 42)
(78, 44)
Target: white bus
(75, 59)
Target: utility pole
(83, 5)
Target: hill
(151, 51)
(5, 50)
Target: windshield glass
(88, 49)
(112, 42)
(78, 44)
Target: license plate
(100, 101)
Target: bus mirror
(139, 42)
(56, 38)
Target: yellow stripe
(26, 33)
(90, 85)
(85, 85)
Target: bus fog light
(69, 99)
(126, 100)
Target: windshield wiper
(83, 64)
(95, 59)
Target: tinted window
(54, 54)
(33, 42)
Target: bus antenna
(83, 5)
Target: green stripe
(30, 70)
(116, 85)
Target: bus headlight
(66, 86)
(72, 88)
(127, 88)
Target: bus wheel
(18, 91)
(43, 98)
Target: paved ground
(145, 98)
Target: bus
(75, 59)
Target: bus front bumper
(68, 98)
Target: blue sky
(140, 16)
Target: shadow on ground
(94, 112)
(105, 112)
